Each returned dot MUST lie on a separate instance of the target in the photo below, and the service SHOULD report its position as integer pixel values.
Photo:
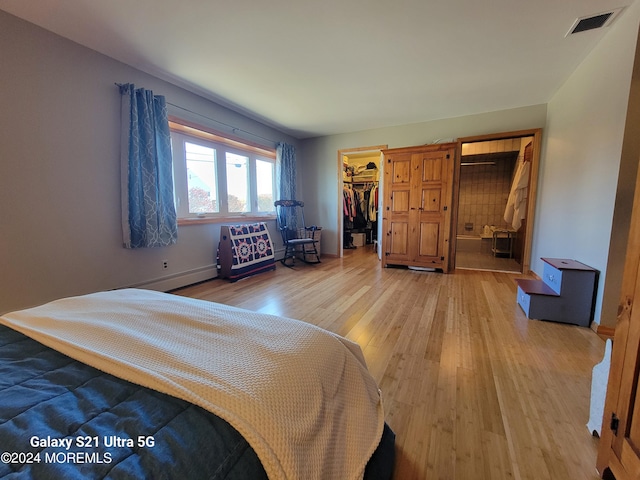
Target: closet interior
(360, 177)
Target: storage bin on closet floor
(358, 239)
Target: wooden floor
(472, 388)
(486, 261)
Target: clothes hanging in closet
(359, 221)
(348, 202)
(516, 209)
(360, 208)
(372, 203)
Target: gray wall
(60, 231)
(319, 160)
(59, 168)
(579, 188)
(584, 180)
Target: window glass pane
(201, 178)
(264, 187)
(237, 183)
(212, 178)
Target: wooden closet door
(620, 437)
(398, 201)
(620, 440)
(416, 209)
(621, 424)
(626, 443)
(429, 208)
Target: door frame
(340, 217)
(536, 133)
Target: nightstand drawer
(552, 277)
(524, 300)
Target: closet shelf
(363, 182)
(364, 178)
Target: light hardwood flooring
(477, 255)
(486, 261)
(472, 388)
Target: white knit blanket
(301, 396)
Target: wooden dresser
(416, 217)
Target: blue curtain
(286, 176)
(148, 211)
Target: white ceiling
(315, 68)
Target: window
(217, 177)
(237, 183)
(202, 182)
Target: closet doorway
(359, 221)
(495, 196)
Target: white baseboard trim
(182, 279)
(177, 280)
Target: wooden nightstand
(565, 294)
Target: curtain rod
(234, 130)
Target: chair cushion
(301, 241)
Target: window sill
(235, 219)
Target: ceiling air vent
(594, 21)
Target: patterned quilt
(245, 250)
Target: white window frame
(181, 133)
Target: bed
(139, 384)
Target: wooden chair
(298, 239)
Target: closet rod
(466, 164)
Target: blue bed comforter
(60, 418)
